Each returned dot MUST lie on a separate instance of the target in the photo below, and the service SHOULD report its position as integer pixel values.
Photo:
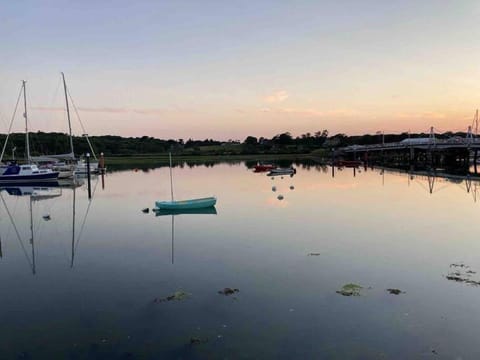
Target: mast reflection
(205, 211)
(38, 192)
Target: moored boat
(200, 203)
(27, 173)
(81, 167)
(186, 204)
(263, 167)
(282, 171)
(201, 211)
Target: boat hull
(7, 179)
(263, 168)
(202, 211)
(186, 204)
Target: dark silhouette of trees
(42, 143)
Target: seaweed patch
(350, 290)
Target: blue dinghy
(203, 211)
(186, 204)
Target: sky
(229, 69)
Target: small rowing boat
(203, 211)
(186, 204)
(200, 203)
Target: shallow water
(378, 229)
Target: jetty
(454, 152)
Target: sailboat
(67, 164)
(29, 172)
(189, 204)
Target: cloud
(276, 97)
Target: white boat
(25, 173)
(29, 172)
(81, 167)
(282, 171)
(61, 163)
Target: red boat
(263, 167)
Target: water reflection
(36, 194)
(171, 212)
(288, 258)
(430, 180)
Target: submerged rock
(228, 291)
(350, 290)
(395, 291)
(177, 295)
(460, 265)
(460, 277)
(455, 277)
(196, 341)
(313, 254)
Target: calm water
(90, 295)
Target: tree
(283, 139)
(250, 140)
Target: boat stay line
(86, 215)
(18, 234)
(81, 124)
(11, 123)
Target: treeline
(42, 143)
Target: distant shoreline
(164, 158)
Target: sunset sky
(228, 69)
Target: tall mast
(68, 114)
(27, 143)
